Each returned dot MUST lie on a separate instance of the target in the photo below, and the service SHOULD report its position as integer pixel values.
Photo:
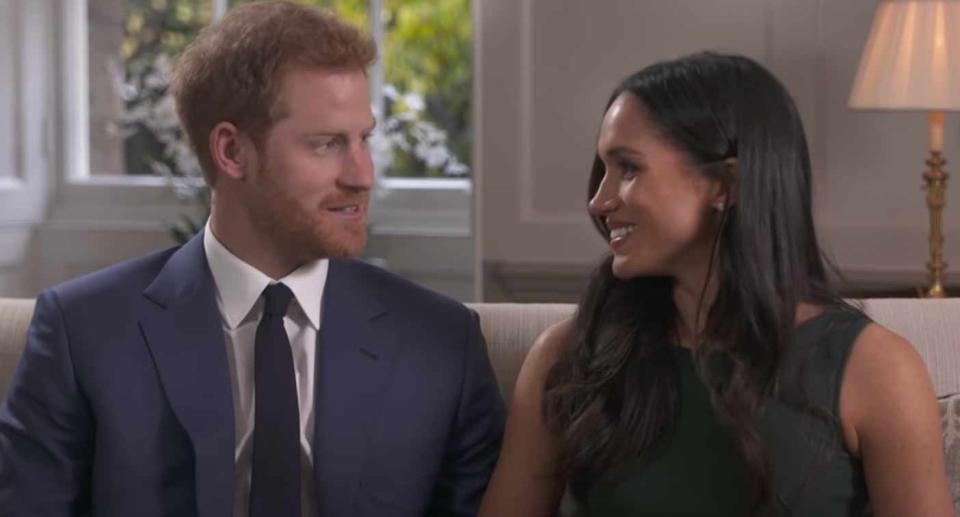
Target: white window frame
(402, 206)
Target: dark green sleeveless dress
(698, 471)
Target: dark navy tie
(275, 481)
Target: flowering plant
(407, 130)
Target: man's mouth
(349, 211)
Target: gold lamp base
(935, 183)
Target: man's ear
(230, 151)
(725, 195)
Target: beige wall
(547, 67)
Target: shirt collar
(307, 284)
(239, 284)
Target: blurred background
(488, 116)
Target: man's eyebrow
(324, 133)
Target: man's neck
(242, 239)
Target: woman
(711, 369)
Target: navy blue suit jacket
(122, 403)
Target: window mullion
(219, 9)
(76, 98)
(376, 73)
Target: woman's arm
(525, 482)
(890, 419)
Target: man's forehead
(322, 93)
(324, 81)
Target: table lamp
(911, 62)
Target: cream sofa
(933, 326)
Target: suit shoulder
(404, 295)
(124, 278)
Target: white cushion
(950, 416)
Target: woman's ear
(725, 196)
(229, 150)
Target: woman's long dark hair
(613, 394)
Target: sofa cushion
(510, 329)
(14, 318)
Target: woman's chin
(628, 268)
(623, 269)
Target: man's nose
(358, 170)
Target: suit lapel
(355, 352)
(185, 337)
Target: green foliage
(162, 26)
(153, 30)
(428, 51)
(355, 12)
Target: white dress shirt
(239, 286)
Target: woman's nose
(605, 200)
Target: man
(257, 370)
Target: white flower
(381, 150)
(455, 168)
(414, 102)
(390, 91)
(406, 130)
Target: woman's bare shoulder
(550, 345)
(543, 355)
(884, 376)
(891, 420)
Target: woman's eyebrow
(621, 151)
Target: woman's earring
(718, 206)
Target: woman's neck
(692, 311)
(693, 295)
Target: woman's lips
(619, 235)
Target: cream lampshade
(911, 62)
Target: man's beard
(305, 233)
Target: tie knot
(276, 299)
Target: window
(8, 104)
(122, 149)
(421, 87)
(133, 126)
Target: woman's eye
(628, 169)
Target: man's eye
(327, 145)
